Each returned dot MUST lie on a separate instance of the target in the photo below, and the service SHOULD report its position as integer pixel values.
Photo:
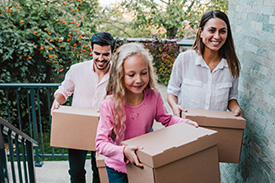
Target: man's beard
(102, 68)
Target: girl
(130, 110)
(206, 77)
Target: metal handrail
(14, 134)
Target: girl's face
(214, 34)
(136, 74)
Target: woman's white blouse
(196, 86)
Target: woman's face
(214, 34)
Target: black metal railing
(20, 148)
(27, 106)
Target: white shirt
(82, 81)
(196, 86)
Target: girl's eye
(144, 73)
(130, 75)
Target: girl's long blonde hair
(116, 86)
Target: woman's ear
(200, 31)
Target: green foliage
(169, 18)
(41, 39)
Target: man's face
(102, 56)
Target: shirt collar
(200, 62)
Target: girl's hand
(130, 154)
(177, 109)
(195, 124)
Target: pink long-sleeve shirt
(82, 81)
(139, 120)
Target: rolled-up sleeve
(233, 92)
(67, 86)
(174, 85)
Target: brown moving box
(178, 153)
(230, 130)
(101, 168)
(74, 128)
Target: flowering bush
(39, 40)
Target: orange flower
(49, 61)
(49, 33)
(55, 61)
(29, 57)
(50, 56)
(65, 3)
(85, 46)
(77, 9)
(61, 46)
(18, 7)
(50, 40)
(63, 22)
(77, 25)
(59, 2)
(72, 10)
(75, 44)
(61, 70)
(57, 20)
(69, 35)
(83, 50)
(82, 18)
(59, 40)
(79, 54)
(75, 30)
(72, 22)
(80, 2)
(91, 53)
(41, 47)
(74, 49)
(35, 32)
(21, 21)
(50, 48)
(24, 55)
(80, 41)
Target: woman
(206, 77)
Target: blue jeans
(115, 176)
(77, 170)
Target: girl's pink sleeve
(163, 116)
(104, 143)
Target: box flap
(77, 111)
(211, 118)
(172, 143)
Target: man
(87, 82)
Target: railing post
(38, 163)
(29, 148)
(3, 160)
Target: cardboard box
(101, 168)
(178, 153)
(74, 128)
(230, 130)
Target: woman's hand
(234, 107)
(177, 110)
(130, 154)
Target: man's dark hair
(103, 39)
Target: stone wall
(253, 27)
